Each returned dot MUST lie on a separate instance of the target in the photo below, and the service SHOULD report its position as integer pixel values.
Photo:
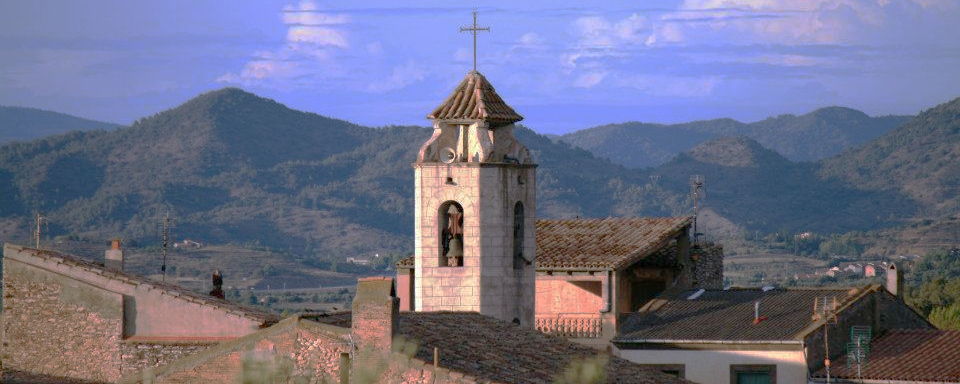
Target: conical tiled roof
(475, 99)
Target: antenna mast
(825, 308)
(40, 221)
(697, 191)
(165, 226)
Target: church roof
(475, 99)
(493, 350)
(728, 315)
(902, 355)
(610, 243)
(594, 244)
(174, 290)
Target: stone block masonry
(69, 318)
(57, 326)
(707, 265)
(488, 282)
(136, 356)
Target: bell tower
(475, 204)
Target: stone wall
(707, 265)
(136, 356)
(58, 326)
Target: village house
(758, 335)
(67, 317)
(901, 356)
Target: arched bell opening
(450, 228)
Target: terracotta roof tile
(908, 355)
(727, 315)
(497, 351)
(475, 99)
(174, 290)
(610, 243)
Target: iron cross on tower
(473, 29)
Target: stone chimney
(217, 280)
(113, 257)
(376, 311)
(894, 280)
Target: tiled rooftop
(595, 244)
(498, 351)
(174, 290)
(727, 315)
(915, 355)
(475, 99)
(610, 243)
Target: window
(450, 223)
(518, 259)
(753, 374)
(678, 370)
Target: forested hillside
(813, 136)
(235, 168)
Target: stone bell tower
(475, 205)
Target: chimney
(376, 311)
(894, 280)
(217, 285)
(113, 257)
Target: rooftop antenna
(859, 347)
(40, 222)
(165, 225)
(697, 191)
(825, 308)
(474, 29)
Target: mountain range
(22, 124)
(810, 137)
(233, 167)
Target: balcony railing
(572, 325)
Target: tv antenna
(40, 223)
(697, 192)
(166, 224)
(859, 347)
(825, 308)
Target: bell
(455, 252)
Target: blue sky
(564, 65)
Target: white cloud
(401, 76)
(310, 48)
(314, 18)
(590, 79)
(316, 35)
(530, 39)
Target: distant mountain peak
(737, 151)
(835, 111)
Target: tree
(946, 317)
